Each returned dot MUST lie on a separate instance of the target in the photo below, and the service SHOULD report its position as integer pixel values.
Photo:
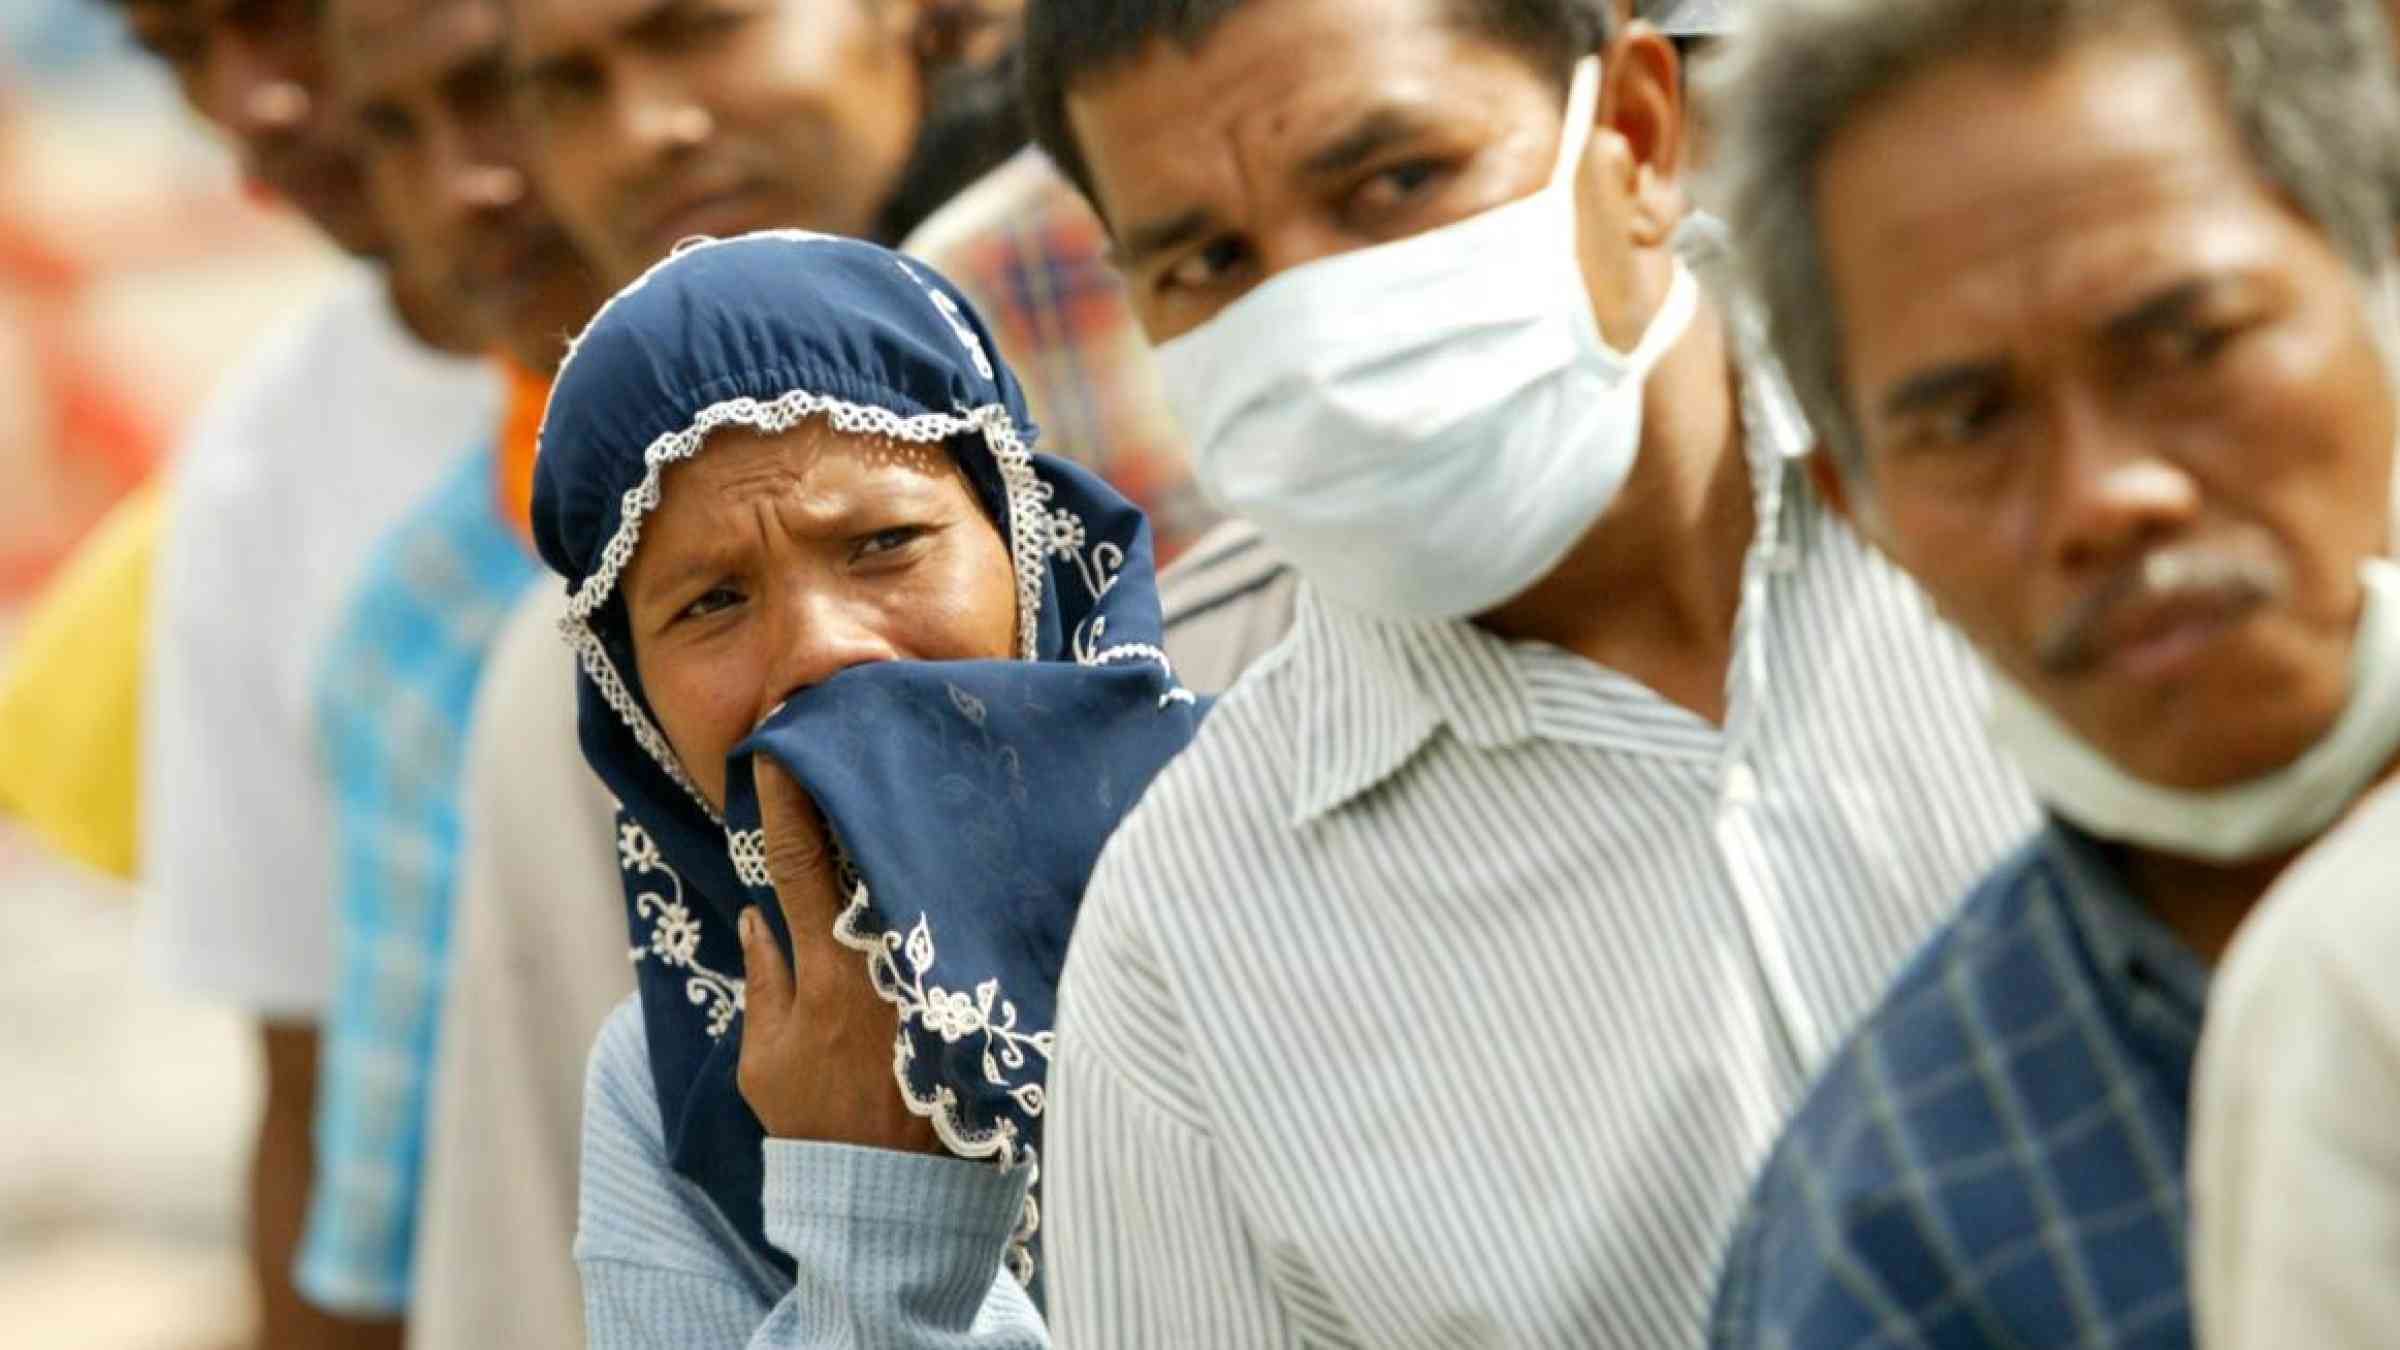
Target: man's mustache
(2192, 572)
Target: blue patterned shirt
(393, 695)
(1997, 1157)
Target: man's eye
(1971, 419)
(2199, 344)
(1208, 266)
(485, 90)
(556, 92)
(1389, 191)
(1405, 179)
(387, 127)
(716, 600)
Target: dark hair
(972, 125)
(1067, 41)
(2309, 84)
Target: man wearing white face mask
(1447, 988)
(2120, 390)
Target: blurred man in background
(426, 88)
(664, 120)
(316, 445)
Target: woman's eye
(716, 600)
(887, 541)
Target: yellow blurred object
(70, 694)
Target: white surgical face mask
(2246, 821)
(1426, 428)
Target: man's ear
(1641, 101)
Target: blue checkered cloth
(394, 692)
(1996, 1158)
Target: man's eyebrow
(481, 70)
(1373, 134)
(645, 25)
(1940, 385)
(2167, 309)
(1149, 240)
(552, 67)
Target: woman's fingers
(766, 976)
(766, 1004)
(799, 858)
(817, 1051)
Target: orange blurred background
(135, 270)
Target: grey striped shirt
(1225, 603)
(1446, 991)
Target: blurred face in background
(426, 84)
(254, 69)
(658, 120)
(2124, 410)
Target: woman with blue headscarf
(871, 683)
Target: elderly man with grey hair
(2088, 301)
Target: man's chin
(2208, 745)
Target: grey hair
(2310, 85)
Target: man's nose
(2114, 490)
(659, 117)
(250, 92)
(479, 188)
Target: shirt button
(1741, 786)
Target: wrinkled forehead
(814, 478)
(2106, 168)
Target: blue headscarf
(968, 800)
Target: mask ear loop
(1682, 303)
(2383, 317)
(1583, 104)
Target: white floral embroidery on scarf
(675, 933)
(899, 968)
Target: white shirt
(2295, 1161)
(1446, 991)
(537, 959)
(318, 444)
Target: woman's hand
(817, 1048)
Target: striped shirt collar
(1382, 688)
